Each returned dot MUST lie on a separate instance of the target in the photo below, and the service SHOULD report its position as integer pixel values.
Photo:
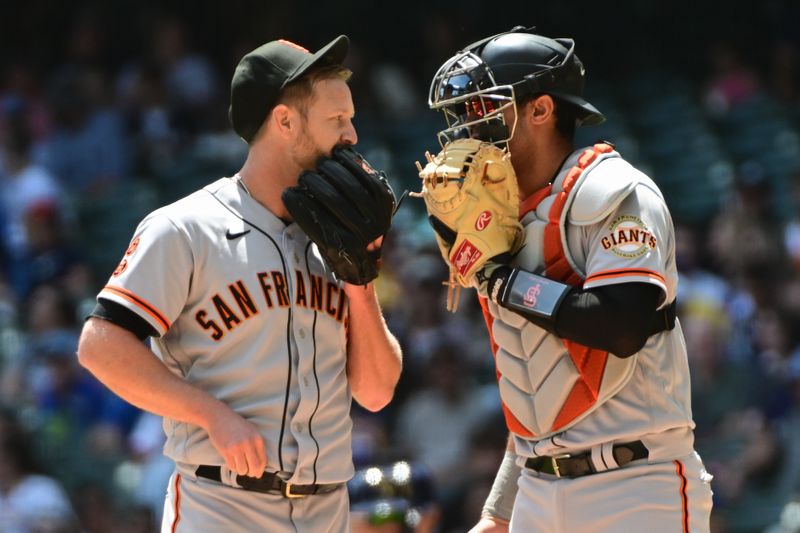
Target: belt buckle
(287, 491)
(554, 462)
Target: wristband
(500, 501)
(531, 295)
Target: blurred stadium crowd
(90, 143)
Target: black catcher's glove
(343, 206)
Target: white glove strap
(501, 498)
(482, 277)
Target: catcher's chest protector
(548, 384)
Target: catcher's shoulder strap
(605, 181)
(555, 203)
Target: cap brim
(333, 52)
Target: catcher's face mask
(465, 90)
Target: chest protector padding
(548, 384)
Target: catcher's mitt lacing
(471, 196)
(453, 287)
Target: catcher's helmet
(474, 86)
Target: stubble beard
(305, 152)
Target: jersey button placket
(289, 285)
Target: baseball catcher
(590, 360)
(344, 205)
(470, 193)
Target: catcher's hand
(343, 206)
(471, 195)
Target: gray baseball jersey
(246, 310)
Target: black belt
(577, 465)
(268, 482)
(665, 318)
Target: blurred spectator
(716, 315)
(731, 82)
(68, 400)
(714, 378)
(173, 100)
(88, 149)
(792, 241)
(11, 345)
(96, 508)
(143, 98)
(191, 79)
(744, 235)
(435, 423)
(698, 279)
(789, 520)
(135, 519)
(791, 229)
(49, 328)
(30, 500)
(371, 435)
(21, 96)
(50, 255)
(788, 483)
(143, 476)
(487, 445)
(76, 417)
(188, 79)
(394, 497)
(736, 427)
(746, 462)
(423, 321)
(774, 342)
(23, 183)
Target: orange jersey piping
(177, 503)
(140, 303)
(625, 272)
(684, 496)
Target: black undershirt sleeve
(616, 318)
(123, 317)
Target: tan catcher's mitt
(472, 199)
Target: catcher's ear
(541, 108)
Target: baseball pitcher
(256, 295)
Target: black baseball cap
(262, 74)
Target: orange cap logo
(293, 45)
